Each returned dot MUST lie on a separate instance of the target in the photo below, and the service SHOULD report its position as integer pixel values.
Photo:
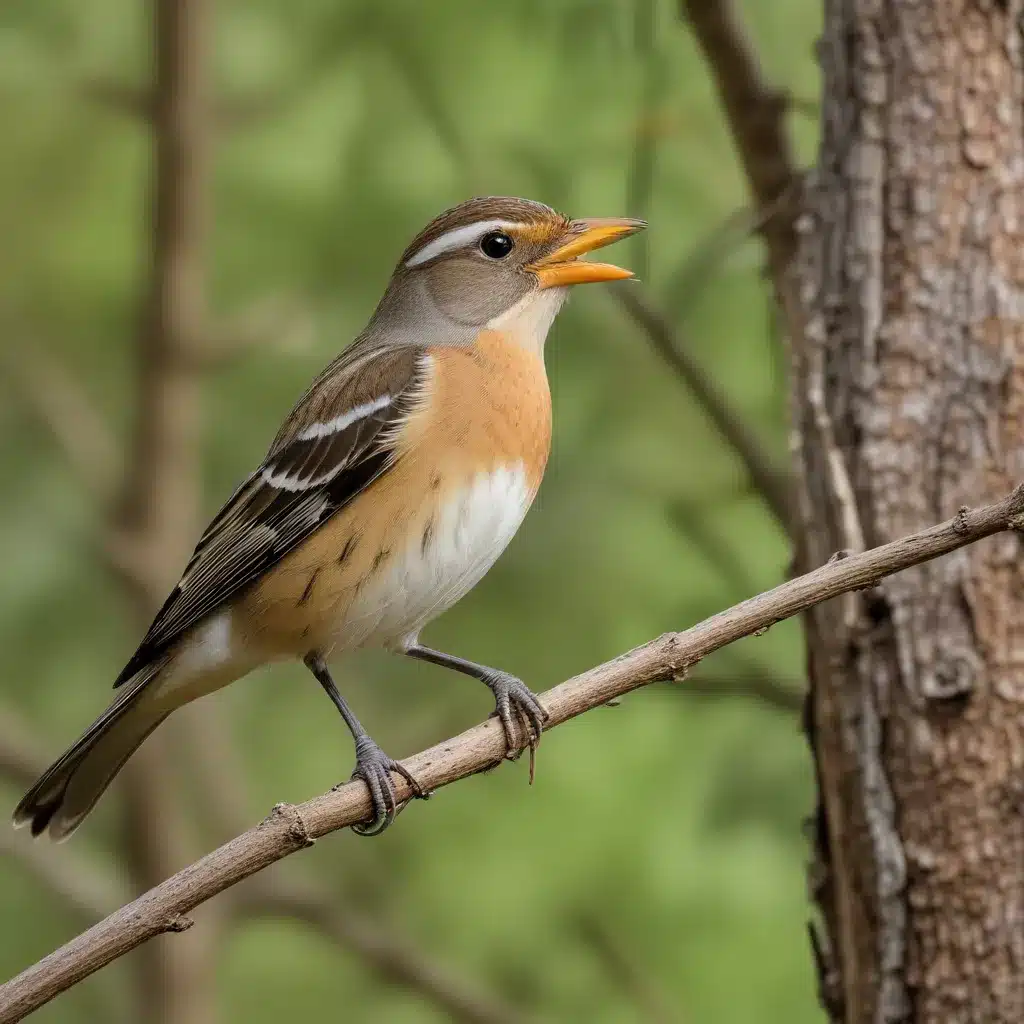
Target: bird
(396, 481)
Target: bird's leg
(373, 766)
(515, 704)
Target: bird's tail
(68, 790)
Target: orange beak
(562, 268)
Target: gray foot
(520, 712)
(374, 767)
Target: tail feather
(68, 790)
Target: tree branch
(388, 955)
(293, 827)
(770, 480)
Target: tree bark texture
(908, 405)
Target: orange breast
(484, 408)
(489, 405)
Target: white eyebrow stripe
(457, 238)
(346, 419)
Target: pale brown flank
(489, 407)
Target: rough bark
(909, 404)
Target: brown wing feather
(318, 463)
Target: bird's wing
(338, 439)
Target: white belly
(470, 530)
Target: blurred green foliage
(675, 823)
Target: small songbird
(393, 486)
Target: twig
(771, 481)
(293, 827)
(756, 115)
(390, 956)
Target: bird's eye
(496, 245)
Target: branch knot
(295, 825)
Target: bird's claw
(521, 714)
(374, 767)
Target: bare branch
(390, 956)
(756, 114)
(770, 480)
(293, 827)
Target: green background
(673, 822)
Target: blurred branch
(755, 112)
(770, 480)
(221, 790)
(230, 112)
(293, 827)
(702, 530)
(391, 957)
(685, 285)
(754, 684)
(704, 259)
(61, 404)
(623, 969)
(89, 893)
(154, 525)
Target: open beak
(562, 267)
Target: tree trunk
(908, 405)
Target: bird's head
(492, 257)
